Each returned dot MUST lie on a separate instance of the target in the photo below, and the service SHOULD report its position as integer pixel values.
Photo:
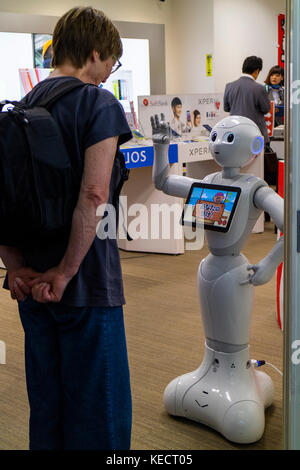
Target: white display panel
(16, 52)
(135, 70)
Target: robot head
(234, 140)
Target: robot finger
(156, 120)
(152, 122)
(250, 276)
(246, 281)
(252, 267)
(162, 117)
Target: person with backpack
(69, 286)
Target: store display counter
(156, 215)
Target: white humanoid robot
(226, 392)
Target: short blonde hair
(80, 31)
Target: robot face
(234, 140)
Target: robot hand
(265, 269)
(262, 273)
(161, 131)
(174, 185)
(161, 140)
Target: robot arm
(265, 269)
(266, 199)
(174, 185)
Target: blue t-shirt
(86, 115)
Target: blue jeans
(77, 377)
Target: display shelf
(140, 192)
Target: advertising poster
(191, 117)
(31, 77)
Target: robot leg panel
(244, 422)
(176, 390)
(265, 387)
(225, 304)
(225, 393)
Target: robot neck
(230, 172)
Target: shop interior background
(229, 31)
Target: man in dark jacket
(245, 97)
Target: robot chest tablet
(211, 206)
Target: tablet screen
(211, 206)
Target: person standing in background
(275, 89)
(245, 97)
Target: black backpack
(38, 187)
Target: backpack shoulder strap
(59, 91)
(124, 175)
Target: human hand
(161, 131)
(50, 286)
(19, 282)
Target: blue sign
(143, 156)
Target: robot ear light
(257, 145)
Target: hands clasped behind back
(43, 287)
(50, 286)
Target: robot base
(225, 393)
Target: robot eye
(230, 138)
(214, 136)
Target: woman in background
(275, 89)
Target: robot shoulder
(252, 179)
(213, 178)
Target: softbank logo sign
(2, 352)
(154, 102)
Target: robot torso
(244, 218)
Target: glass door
(292, 230)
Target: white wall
(230, 29)
(188, 29)
(135, 69)
(15, 52)
(241, 29)
(144, 11)
(191, 38)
